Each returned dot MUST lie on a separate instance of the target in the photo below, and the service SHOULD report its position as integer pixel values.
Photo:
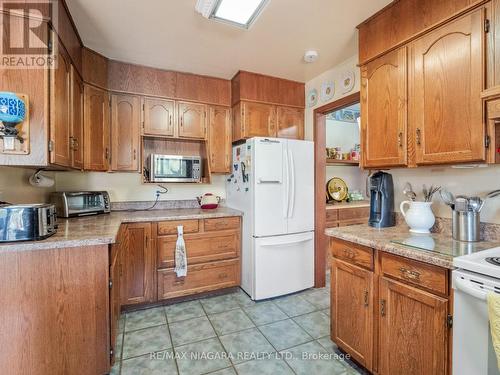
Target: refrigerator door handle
(287, 187)
(292, 195)
(304, 238)
(261, 181)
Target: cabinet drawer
(170, 227)
(357, 213)
(201, 247)
(222, 223)
(352, 253)
(200, 278)
(332, 215)
(420, 274)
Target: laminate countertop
(437, 248)
(103, 229)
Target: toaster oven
(80, 203)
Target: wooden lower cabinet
(114, 296)
(137, 265)
(352, 305)
(55, 311)
(200, 278)
(413, 333)
(390, 314)
(148, 258)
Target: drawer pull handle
(382, 307)
(179, 282)
(348, 253)
(366, 299)
(409, 274)
(223, 276)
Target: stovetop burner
(493, 260)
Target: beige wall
(15, 188)
(128, 187)
(475, 181)
(354, 177)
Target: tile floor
(231, 334)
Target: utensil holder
(466, 226)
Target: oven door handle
(465, 286)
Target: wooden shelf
(351, 163)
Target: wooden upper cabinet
(446, 80)
(60, 111)
(220, 147)
(290, 122)
(76, 140)
(192, 120)
(96, 129)
(352, 311)
(384, 110)
(137, 265)
(125, 128)
(159, 117)
(413, 331)
(258, 120)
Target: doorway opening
(330, 152)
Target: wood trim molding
(319, 134)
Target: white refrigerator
(272, 182)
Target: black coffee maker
(381, 201)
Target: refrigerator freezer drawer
(283, 265)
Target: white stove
(477, 275)
(486, 262)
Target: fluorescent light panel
(239, 12)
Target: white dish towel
(180, 253)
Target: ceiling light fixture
(241, 13)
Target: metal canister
(466, 226)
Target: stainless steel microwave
(174, 168)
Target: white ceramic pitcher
(418, 216)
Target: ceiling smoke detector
(311, 56)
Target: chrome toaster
(27, 222)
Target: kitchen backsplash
(15, 188)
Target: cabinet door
(114, 296)
(219, 136)
(96, 129)
(159, 117)
(237, 123)
(258, 120)
(192, 120)
(60, 111)
(446, 80)
(290, 123)
(352, 310)
(125, 128)
(413, 333)
(384, 111)
(137, 265)
(76, 140)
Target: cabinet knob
(382, 307)
(366, 298)
(400, 139)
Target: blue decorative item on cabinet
(12, 108)
(12, 112)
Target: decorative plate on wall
(327, 91)
(347, 81)
(312, 98)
